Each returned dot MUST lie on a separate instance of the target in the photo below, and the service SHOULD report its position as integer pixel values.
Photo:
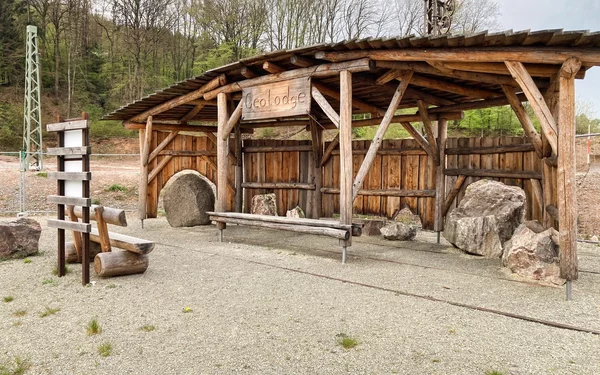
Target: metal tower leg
(32, 121)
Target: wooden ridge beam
(534, 55)
(438, 84)
(477, 104)
(411, 92)
(530, 131)
(324, 70)
(537, 102)
(183, 99)
(378, 138)
(440, 69)
(325, 106)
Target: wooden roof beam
(388, 76)
(191, 114)
(247, 73)
(335, 94)
(440, 69)
(324, 70)
(533, 55)
(442, 85)
(536, 70)
(325, 106)
(161, 126)
(519, 110)
(272, 67)
(302, 62)
(477, 104)
(424, 112)
(183, 99)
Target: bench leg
(344, 249)
(220, 235)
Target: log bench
(328, 228)
(106, 262)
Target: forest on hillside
(98, 55)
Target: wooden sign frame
(275, 100)
(73, 184)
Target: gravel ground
(269, 302)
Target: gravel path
(271, 302)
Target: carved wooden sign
(281, 99)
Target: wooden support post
(325, 106)
(145, 140)
(378, 139)
(222, 155)
(454, 192)
(317, 143)
(102, 229)
(238, 169)
(440, 178)
(327, 154)
(346, 166)
(567, 192)
(548, 192)
(418, 137)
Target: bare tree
(476, 15)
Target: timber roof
(364, 87)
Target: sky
(558, 14)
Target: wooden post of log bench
(222, 158)
(145, 142)
(346, 165)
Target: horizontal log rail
(278, 185)
(525, 147)
(493, 173)
(298, 148)
(388, 151)
(386, 192)
(189, 153)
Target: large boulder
(19, 238)
(486, 217)
(264, 204)
(397, 231)
(186, 201)
(533, 252)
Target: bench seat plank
(133, 244)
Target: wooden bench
(106, 262)
(328, 228)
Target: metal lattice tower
(438, 16)
(32, 125)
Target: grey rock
(296, 212)
(534, 255)
(372, 227)
(486, 217)
(264, 204)
(399, 232)
(406, 216)
(186, 201)
(19, 238)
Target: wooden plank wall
(389, 171)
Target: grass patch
(8, 299)
(55, 270)
(26, 260)
(346, 341)
(493, 372)
(105, 349)
(187, 310)
(20, 313)
(49, 312)
(117, 188)
(93, 327)
(19, 367)
(147, 328)
(47, 281)
(96, 201)
(111, 286)
(42, 174)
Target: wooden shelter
(363, 83)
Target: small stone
(399, 232)
(594, 238)
(295, 212)
(406, 216)
(19, 238)
(264, 204)
(372, 227)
